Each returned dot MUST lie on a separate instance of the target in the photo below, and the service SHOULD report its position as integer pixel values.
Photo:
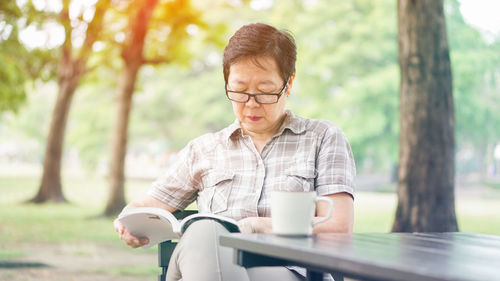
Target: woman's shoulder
(325, 132)
(320, 127)
(212, 139)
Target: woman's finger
(118, 226)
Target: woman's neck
(263, 137)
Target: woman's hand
(128, 238)
(145, 201)
(255, 225)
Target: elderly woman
(232, 172)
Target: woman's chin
(253, 128)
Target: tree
(132, 54)
(173, 17)
(72, 66)
(19, 65)
(426, 162)
(476, 74)
(346, 66)
(12, 75)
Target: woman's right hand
(128, 238)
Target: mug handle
(330, 209)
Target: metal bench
(166, 248)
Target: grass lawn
(64, 234)
(374, 212)
(77, 221)
(76, 230)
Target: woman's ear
(290, 84)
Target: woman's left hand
(255, 225)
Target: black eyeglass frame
(255, 96)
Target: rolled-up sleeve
(335, 164)
(178, 186)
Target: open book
(159, 225)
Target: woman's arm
(341, 220)
(145, 201)
(149, 201)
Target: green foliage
(18, 64)
(168, 34)
(90, 124)
(12, 79)
(347, 72)
(178, 42)
(476, 84)
(170, 108)
(34, 120)
(371, 117)
(12, 75)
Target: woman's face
(248, 76)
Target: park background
(347, 73)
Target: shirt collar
(291, 122)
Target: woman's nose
(252, 101)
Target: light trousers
(198, 257)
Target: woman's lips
(254, 118)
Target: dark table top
(382, 256)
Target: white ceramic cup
(292, 213)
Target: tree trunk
(116, 199)
(70, 71)
(50, 187)
(426, 164)
(133, 57)
(69, 74)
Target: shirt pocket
(300, 177)
(216, 190)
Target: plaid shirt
(225, 173)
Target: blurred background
(347, 73)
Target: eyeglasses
(262, 98)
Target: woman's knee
(197, 255)
(204, 229)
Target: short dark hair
(257, 40)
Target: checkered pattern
(227, 175)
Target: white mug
(292, 213)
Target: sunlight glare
(235, 3)
(309, 3)
(21, 3)
(192, 29)
(50, 36)
(88, 13)
(78, 33)
(5, 30)
(39, 4)
(120, 37)
(98, 46)
(482, 14)
(259, 5)
(85, 9)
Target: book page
(230, 224)
(156, 224)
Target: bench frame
(166, 248)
